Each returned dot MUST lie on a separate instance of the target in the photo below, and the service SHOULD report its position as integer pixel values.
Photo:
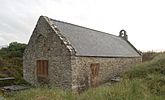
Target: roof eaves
(109, 56)
(133, 47)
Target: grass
(125, 90)
(145, 81)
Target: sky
(144, 20)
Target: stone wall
(45, 44)
(109, 67)
(64, 69)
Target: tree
(14, 49)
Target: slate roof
(89, 42)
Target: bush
(14, 50)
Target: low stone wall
(108, 67)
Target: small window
(42, 68)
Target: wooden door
(42, 70)
(94, 74)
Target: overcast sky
(144, 20)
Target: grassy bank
(11, 63)
(145, 81)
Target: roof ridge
(83, 27)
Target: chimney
(123, 34)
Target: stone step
(7, 78)
(12, 88)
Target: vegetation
(13, 50)
(145, 81)
(147, 56)
(11, 62)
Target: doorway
(94, 74)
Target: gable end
(61, 37)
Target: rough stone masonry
(73, 57)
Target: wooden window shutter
(42, 68)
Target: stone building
(74, 57)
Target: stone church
(73, 57)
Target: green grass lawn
(145, 81)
